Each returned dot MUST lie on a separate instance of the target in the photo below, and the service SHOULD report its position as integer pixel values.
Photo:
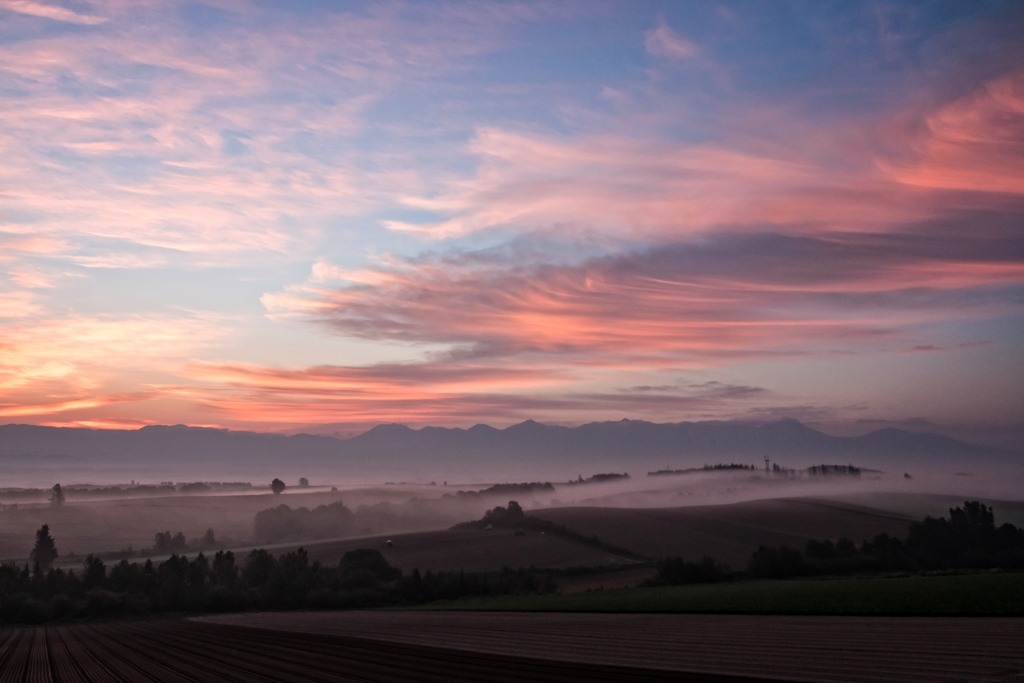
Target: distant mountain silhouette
(527, 450)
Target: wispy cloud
(152, 134)
(708, 300)
(664, 42)
(975, 143)
(431, 393)
(54, 12)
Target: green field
(966, 594)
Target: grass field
(966, 594)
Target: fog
(123, 523)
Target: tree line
(968, 540)
(37, 592)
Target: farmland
(729, 533)
(965, 594)
(183, 651)
(401, 646)
(822, 649)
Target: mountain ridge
(526, 450)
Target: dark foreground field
(419, 646)
(823, 649)
(192, 652)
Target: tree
(45, 550)
(56, 496)
(165, 543)
(303, 482)
(94, 572)
(277, 486)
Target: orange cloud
(712, 300)
(431, 393)
(27, 410)
(77, 365)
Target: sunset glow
(321, 218)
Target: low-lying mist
(123, 521)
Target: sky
(322, 216)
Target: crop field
(820, 649)
(180, 651)
(966, 594)
(728, 533)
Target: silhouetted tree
(369, 561)
(277, 486)
(676, 571)
(164, 542)
(258, 567)
(94, 572)
(303, 482)
(56, 496)
(225, 573)
(45, 550)
(776, 563)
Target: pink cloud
(975, 143)
(266, 81)
(709, 301)
(430, 393)
(38, 9)
(611, 184)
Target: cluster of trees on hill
(513, 517)
(706, 468)
(969, 539)
(282, 523)
(824, 470)
(526, 488)
(602, 478)
(262, 581)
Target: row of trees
(219, 583)
(969, 539)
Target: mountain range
(528, 450)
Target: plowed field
(410, 646)
(822, 649)
(194, 652)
